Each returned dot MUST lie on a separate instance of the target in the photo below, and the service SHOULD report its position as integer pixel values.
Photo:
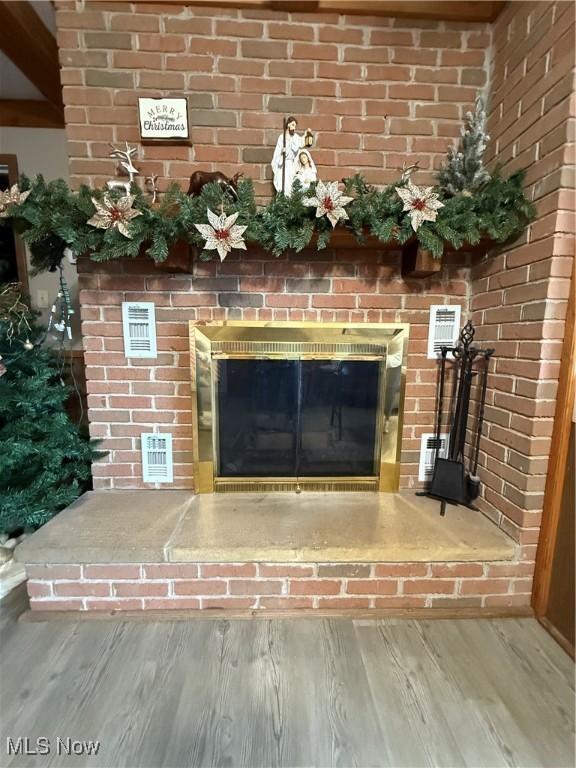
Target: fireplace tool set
(451, 481)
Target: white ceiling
(13, 84)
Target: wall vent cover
(139, 325)
(428, 447)
(444, 328)
(156, 457)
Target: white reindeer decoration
(125, 167)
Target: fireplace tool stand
(451, 483)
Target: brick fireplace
(414, 562)
(354, 286)
(379, 92)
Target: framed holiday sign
(164, 120)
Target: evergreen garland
(52, 218)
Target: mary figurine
(305, 169)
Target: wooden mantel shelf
(416, 261)
(443, 10)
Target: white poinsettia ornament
(222, 234)
(11, 196)
(329, 201)
(114, 214)
(421, 202)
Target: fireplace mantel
(417, 262)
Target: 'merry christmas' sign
(162, 119)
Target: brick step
(137, 550)
(277, 586)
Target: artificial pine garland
(53, 217)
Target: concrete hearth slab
(317, 527)
(109, 527)
(173, 526)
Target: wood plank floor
(287, 692)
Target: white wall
(43, 150)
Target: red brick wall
(128, 397)
(519, 294)
(244, 69)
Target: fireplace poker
(465, 406)
(472, 479)
(443, 352)
(460, 351)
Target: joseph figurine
(285, 158)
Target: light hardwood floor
(287, 692)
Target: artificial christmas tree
(464, 171)
(44, 460)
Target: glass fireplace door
(297, 418)
(257, 413)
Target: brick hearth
(155, 550)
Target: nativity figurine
(305, 170)
(285, 162)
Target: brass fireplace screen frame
(213, 341)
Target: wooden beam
(480, 10)
(25, 113)
(418, 262)
(250, 4)
(442, 11)
(558, 462)
(32, 48)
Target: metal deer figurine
(451, 481)
(125, 167)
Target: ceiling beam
(32, 48)
(441, 10)
(24, 113)
(486, 10)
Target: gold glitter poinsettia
(11, 196)
(329, 201)
(422, 203)
(114, 214)
(222, 234)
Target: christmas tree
(464, 171)
(44, 460)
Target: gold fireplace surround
(385, 343)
